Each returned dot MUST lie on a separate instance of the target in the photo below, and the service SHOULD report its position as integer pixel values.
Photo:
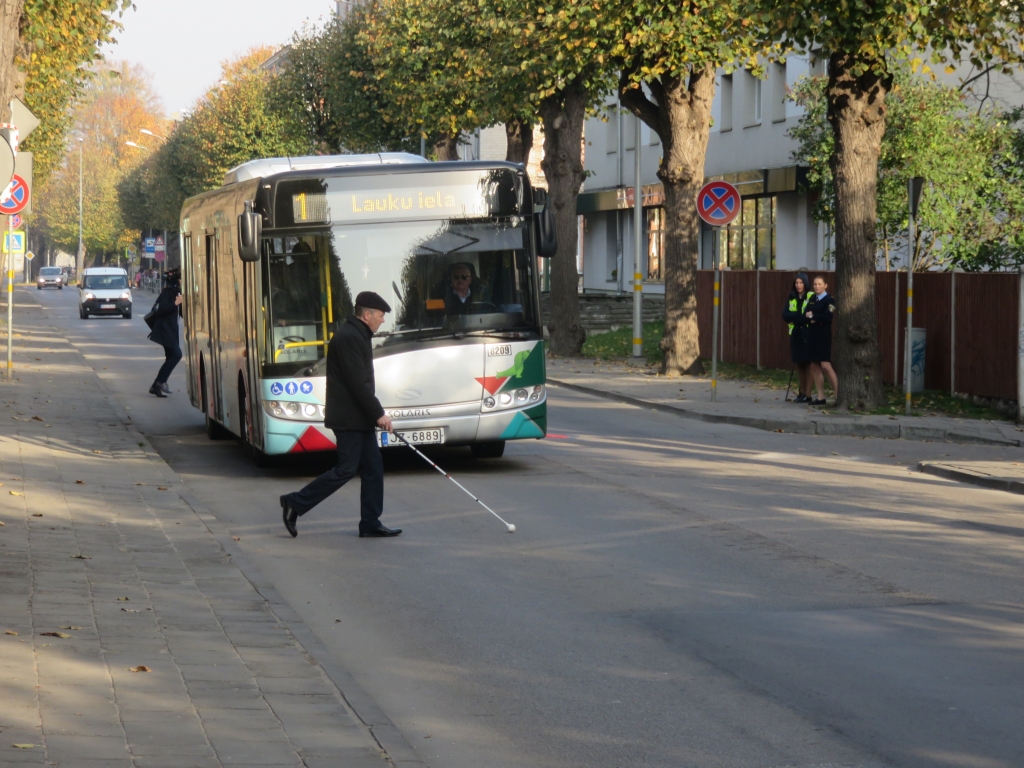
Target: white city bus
(273, 259)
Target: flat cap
(371, 300)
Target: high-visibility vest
(794, 306)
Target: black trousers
(357, 454)
(173, 357)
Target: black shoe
(817, 402)
(166, 388)
(155, 390)
(801, 399)
(378, 533)
(290, 516)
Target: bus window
(305, 297)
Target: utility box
(918, 338)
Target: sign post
(10, 304)
(718, 203)
(914, 187)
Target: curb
(397, 749)
(848, 428)
(962, 476)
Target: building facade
(749, 146)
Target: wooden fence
(971, 321)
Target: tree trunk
(518, 140)
(856, 111)
(10, 45)
(681, 115)
(447, 148)
(563, 115)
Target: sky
(182, 43)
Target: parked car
(50, 277)
(104, 291)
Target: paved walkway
(750, 405)
(128, 634)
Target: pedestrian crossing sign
(14, 242)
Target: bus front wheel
(488, 450)
(259, 458)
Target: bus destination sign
(473, 197)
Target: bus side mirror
(250, 230)
(544, 225)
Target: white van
(104, 291)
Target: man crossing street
(352, 412)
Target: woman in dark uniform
(793, 314)
(820, 309)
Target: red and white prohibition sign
(15, 198)
(718, 203)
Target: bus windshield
(441, 278)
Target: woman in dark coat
(165, 330)
(793, 314)
(820, 310)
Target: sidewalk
(1000, 475)
(749, 405)
(129, 636)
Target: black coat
(352, 402)
(819, 330)
(165, 323)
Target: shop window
(655, 244)
(750, 239)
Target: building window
(611, 129)
(757, 99)
(749, 242)
(777, 84)
(725, 103)
(655, 244)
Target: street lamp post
(79, 262)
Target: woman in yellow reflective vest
(794, 314)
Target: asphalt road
(677, 594)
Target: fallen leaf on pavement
(96, 451)
(140, 483)
(16, 493)
(25, 746)
(81, 557)
(140, 668)
(124, 599)
(11, 632)
(62, 635)
(70, 627)
(37, 418)
(37, 514)
(237, 538)
(129, 610)
(161, 488)
(20, 418)
(2, 524)
(79, 482)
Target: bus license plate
(412, 436)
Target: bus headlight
(521, 395)
(488, 402)
(505, 398)
(295, 411)
(537, 392)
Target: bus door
(213, 372)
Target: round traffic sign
(15, 197)
(718, 203)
